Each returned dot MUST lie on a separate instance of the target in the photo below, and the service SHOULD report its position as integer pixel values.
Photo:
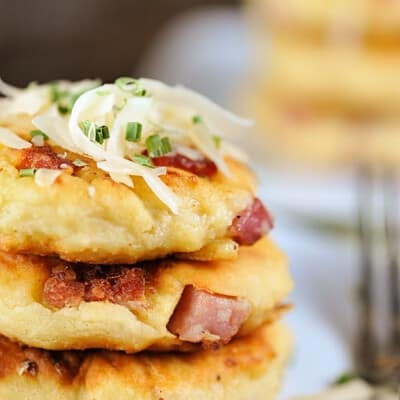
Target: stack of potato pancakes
(326, 85)
(133, 257)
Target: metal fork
(378, 358)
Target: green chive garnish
(55, 92)
(143, 160)
(38, 132)
(64, 99)
(106, 132)
(102, 133)
(157, 146)
(217, 141)
(133, 86)
(125, 83)
(345, 378)
(166, 145)
(197, 119)
(133, 131)
(63, 110)
(27, 172)
(154, 145)
(93, 132)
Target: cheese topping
(115, 124)
(9, 139)
(46, 177)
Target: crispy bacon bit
(203, 167)
(42, 157)
(208, 318)
(62, 288)
(129, 286)
(251, 224)
(98, 290)
(68, 287)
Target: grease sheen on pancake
(259, 277)
(247, 369)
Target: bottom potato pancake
(249, 368)
(161, 305)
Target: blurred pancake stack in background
(129, 224)
(325, 80)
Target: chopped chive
(217, 141)
(102, 133)
(38, 132)
(154, 145)
(93, 132)
(143, 160)
(27, 172)
(131, 85)
(133, 131)
(65, 99)
(157, 146)
(106, 132)
(166, 145)
(345, 378)
(55, 92)
(63, 109)
(125, 83)
(79, 163)
(66, 102)
(197, 119)
(99, 137)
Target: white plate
(323, 320)
(325, 198)
(325, 270)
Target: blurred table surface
(46, 39)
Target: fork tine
(391, 242)
(367, 350)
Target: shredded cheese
(38, 140)
(158, 109)
(10, 139)
(46, 177)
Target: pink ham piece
(251, 224)
(208, 318)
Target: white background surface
(208, 50)
(324, 318)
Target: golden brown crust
(87, 217)
(259, 275)
(247, 369)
